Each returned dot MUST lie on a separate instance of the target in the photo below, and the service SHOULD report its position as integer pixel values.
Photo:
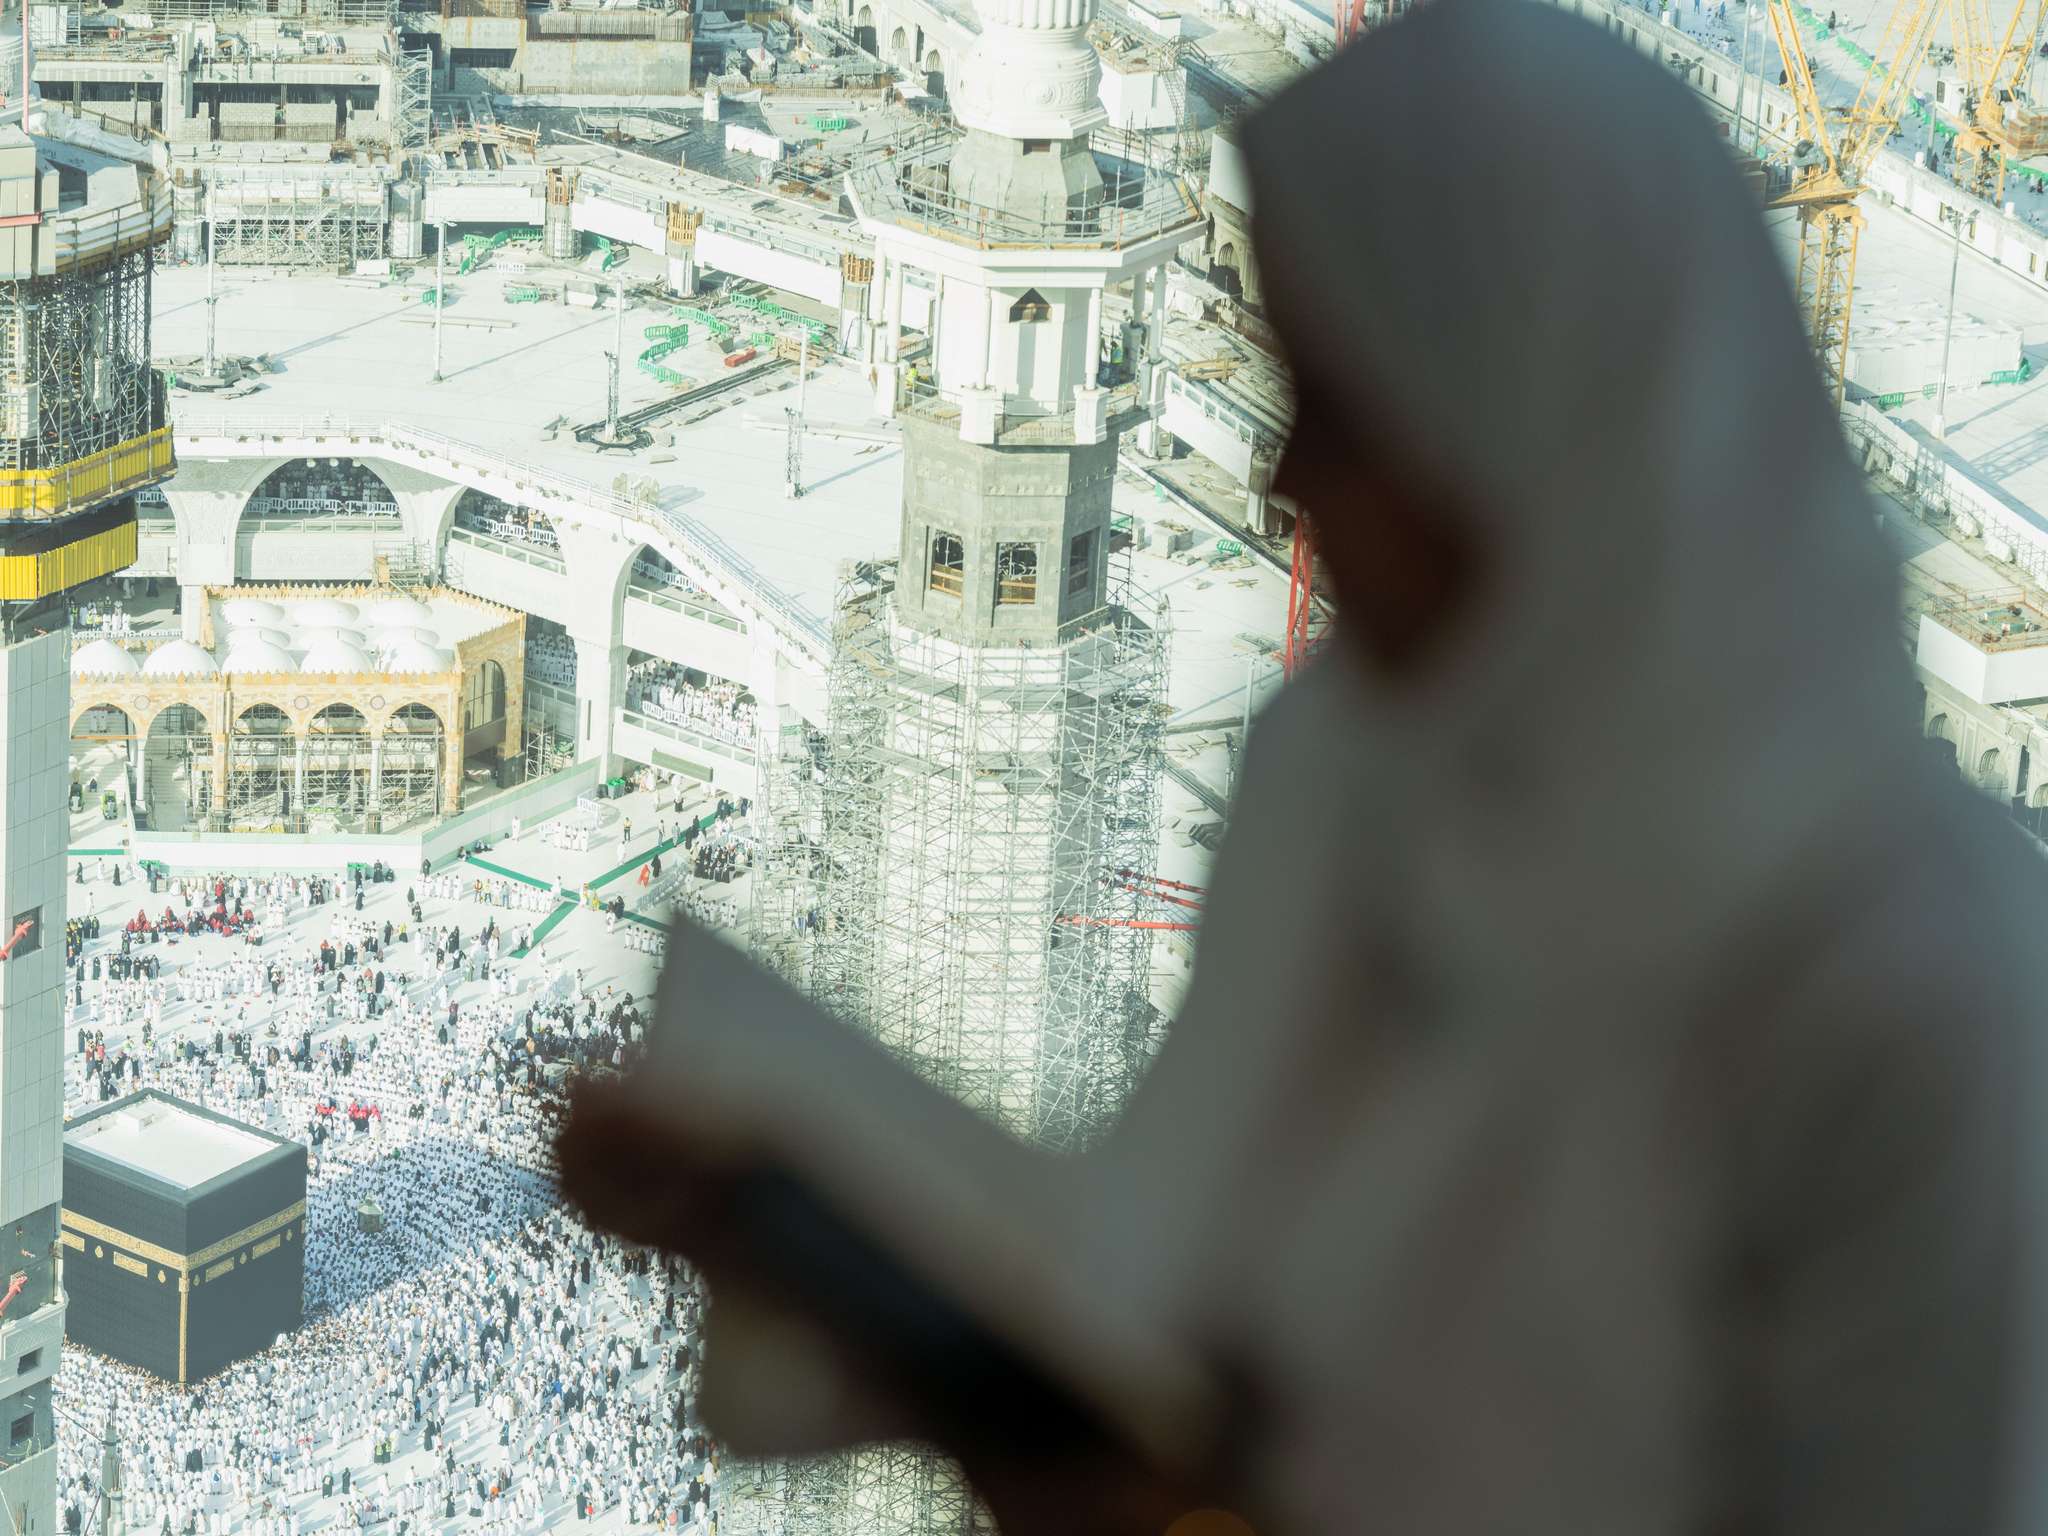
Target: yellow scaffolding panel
(87, 482)
(24, 578)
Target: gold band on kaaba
(178, 1263)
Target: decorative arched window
(1032, 309)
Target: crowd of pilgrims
(683, 697)
(483, 1362)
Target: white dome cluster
(414, 655)
(103, 658)
(322, 636)
(249, 651)
(395, 612)
(243, 611)
(334, 652)
(180, 658)
(324, 613)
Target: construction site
(803, 472)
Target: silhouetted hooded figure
(1610, 1097)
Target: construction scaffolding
(979, 807)
(413, 113)
(328, 217)
(355, 13)
(953, 867)
(74, 347)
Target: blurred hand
(786, 1374)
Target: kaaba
(184, 1235)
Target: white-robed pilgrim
(1610, 1098)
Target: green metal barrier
(476, 247)
(665, 339)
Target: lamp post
(440, 291)
(1742, 72)
(1955, 262)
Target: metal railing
(686, 608)
(808, 635)
(923, 399)
(525, 554)
(701, 740)
(886, 183)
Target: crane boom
(1997, 126)
(1829, 162)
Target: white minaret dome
(180, 658)
(102, 658)
(1032, 74)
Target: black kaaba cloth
(184, 1235)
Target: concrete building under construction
(82, 428)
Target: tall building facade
(82, 428)
(986, 796)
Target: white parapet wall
(815, 277)
(1942, 485)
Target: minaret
(965, 847)
(113, 1517)
(992, 781)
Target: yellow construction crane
(1997, 124)
(1833, 150)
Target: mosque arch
(485, 698)
(338, 720)
(104, 751)
(262, 747)
(650, 570)
(899, 43)
(335, 766)
(324, 487)
(413, 719)
(409, 776)
(177, 759)
(1941, 734)
(1227, 271)
(1991, 768)
(864, 29)
(101, 720)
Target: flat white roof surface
(365, 354)
(168, 1142)
(2001, 429)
